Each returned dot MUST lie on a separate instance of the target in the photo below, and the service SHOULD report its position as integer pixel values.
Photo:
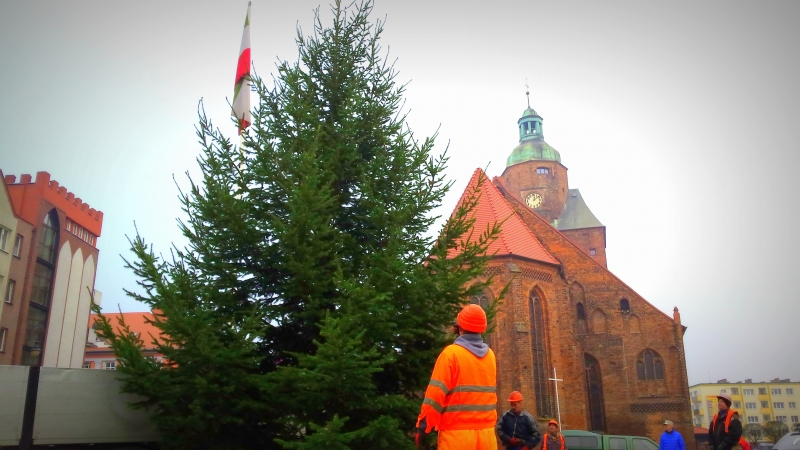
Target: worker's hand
(514, 442)
(419, 439)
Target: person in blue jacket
(671, 439)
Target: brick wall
(612, 336)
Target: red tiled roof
(515, 238)
(699, 430)
(137, 321)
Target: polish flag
(241, 90)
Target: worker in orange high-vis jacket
(461, 399)
(725, 429)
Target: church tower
(535, 175)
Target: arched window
(594, 390)
(581, 311)
(540, 367)
(625, 305)
(482, 300)
(542, 170)
(650, 366)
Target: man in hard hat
(460, 400)
(554, 440)
(517, 428)
(725, 429)
(671, 439)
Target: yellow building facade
(762, 402)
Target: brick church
(620, 358)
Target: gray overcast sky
(677, 121)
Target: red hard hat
(552, 422)
(472, 318)
(515, 397)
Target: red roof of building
(137, 321)
(699, 430)
(515, 238)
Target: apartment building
(756, 402)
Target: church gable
(492, 207)
(622, 358)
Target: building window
(789, 391)
(593, 252)
(752, 419)
(4, 233)
(483, 301)
(3, 333)
(751, 406)
(777, 405)
(723, 391)
(542, 170)
(762, 391)
(17, 245)
(87, 365)
(110, 365)
(650, 366)
(581, 311)
(737, 404)
(540, 366)
(748, 392)
(794, 419)
(624, 305)
(594, 388)
(767, 417)
(735, 391)
(781, 419)
(776, 392)
(10, 291)
(765, 404)
(792, 405)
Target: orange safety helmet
(472, 318)
(515, 397)
(552, 422)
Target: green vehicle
(586, 440)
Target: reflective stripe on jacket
(462, 392)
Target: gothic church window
(540, 366)
(594, 390)
(649, 366)
(581, 312)
(624, 305)
(482, 300)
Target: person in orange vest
(518, 429)
(461, 399)
(553, 440)
(725, 429)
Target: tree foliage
(311, 301)
(775, 430)
(752, 431)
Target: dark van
(586, 440)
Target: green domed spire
(531, 146)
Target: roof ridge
(539, 218)
(501, 235)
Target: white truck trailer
(45, 407)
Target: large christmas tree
(311, 301)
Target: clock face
(534, 200)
